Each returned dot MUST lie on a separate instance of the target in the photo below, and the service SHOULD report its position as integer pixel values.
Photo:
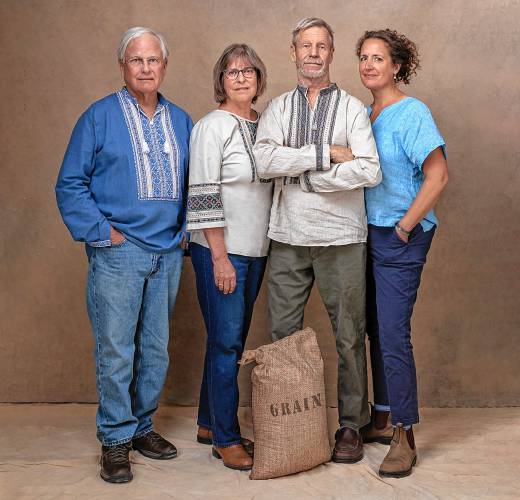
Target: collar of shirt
(161, 104)
(326, 90)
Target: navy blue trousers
(227, 319)
(393, 277)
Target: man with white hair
(317, 142)
(122, 190)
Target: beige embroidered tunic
(316, 203)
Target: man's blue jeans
(393, 277)
(130, 296)
(227, 319)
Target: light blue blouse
(405, 135)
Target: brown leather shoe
(401, 457)
(234, 457)
(349, 446)
(115, 463)
(205, 436)
(372, 434)
(153, 445)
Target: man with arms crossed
(317, 142)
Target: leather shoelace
(118, 454)
(154, 437)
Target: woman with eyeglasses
(228, 217)
(401, 225)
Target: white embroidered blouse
(224, 187)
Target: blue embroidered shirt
(125, 170)
(405, 135)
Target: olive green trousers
(339, 272)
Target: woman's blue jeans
(130, 296)
(227, 319)
(393, 277)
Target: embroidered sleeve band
(205, 208)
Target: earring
(395, 77)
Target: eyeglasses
(232, 74)
(138, 62)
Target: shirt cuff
(104, 243)
(305, 182)
(322, 157)
(104, 235)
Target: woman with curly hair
(401, 227)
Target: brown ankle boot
(373, 433)
(234, 457)
(401, 457)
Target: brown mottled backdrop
(59, 56)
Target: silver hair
(138, 31)
(310, 22)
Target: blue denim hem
(227, 445)
(378, 407)
(115, 443)
(143, 433)
(206, 426)
(404, 423)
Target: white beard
(310, 73)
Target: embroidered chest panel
(306, 127)
(248, 132)
(156, 151)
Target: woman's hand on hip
(224, 274)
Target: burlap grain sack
(289, 410)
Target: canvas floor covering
(50, 452)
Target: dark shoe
(349, 446)
(115, 463)
(372, 434)
(153, 445)
(205, 436)
(235, 457)
(401, 457)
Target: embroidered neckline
(161, 101)
(240, 117)
(326, 90)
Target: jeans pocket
(119, 245)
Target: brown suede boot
(401, 457)
(205, 436)
(380, 429)
(234, 457)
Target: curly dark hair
(402, 51)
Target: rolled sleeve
(420, 135)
